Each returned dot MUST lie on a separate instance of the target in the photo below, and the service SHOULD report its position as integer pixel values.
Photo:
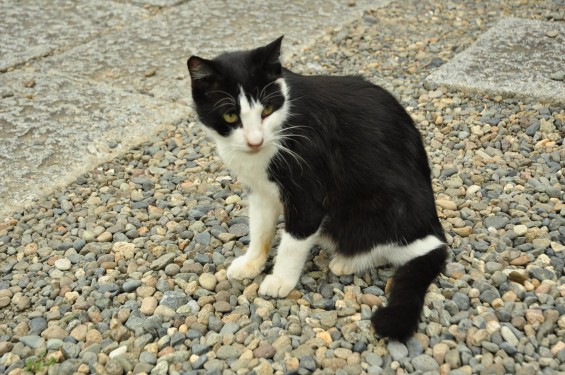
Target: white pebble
(63, 264)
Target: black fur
(399, 319)
(362, 175)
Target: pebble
(33, 341)
(266, 351)
(208, 281)
(161, 262)
(63, 264)
(131, 285)
(424, 362)
(148, 305)
(397, 350)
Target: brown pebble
(166, 350)
(266, 351)
(517, 277)
(371, 300)
(150, 73)
(388, 285)
(30, 84)
(464, 232)
(520, 261)
(222, 306)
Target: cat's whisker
(290, 128)
(223, 92)
(291, 136)
(220, 105)
(282, 132)
(271, 95)
(299, 160)
(261, 99)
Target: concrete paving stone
(60, 114)
(153, 3)
(35, 28)
(57, 129)
(516, 57)
(150, 56)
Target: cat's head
(241, 96)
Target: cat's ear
(200, 69)
(270, 55)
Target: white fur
(291, 256)
(264, 208)
(251, 167)
(384, 254)
(250, 116)
(250, 164)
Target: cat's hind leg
(263, 213)
(347, 265)
(399, 319)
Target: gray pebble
(70, 350)
(202, 238)
(397, 350)
(131, 285)
(162, 261)
(308, 362)
(174, 299)
(424, 362)
(33, 341)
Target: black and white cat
(341, 159)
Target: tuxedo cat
(344, 163)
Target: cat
(344, 163)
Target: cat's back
(343, 92)
(349, 113)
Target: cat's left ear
(271, 56)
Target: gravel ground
(125, 269)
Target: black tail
(399, 319)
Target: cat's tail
(399, 319)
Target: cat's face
(241, 97)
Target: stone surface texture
(118, 219)
(516, 57)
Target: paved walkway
(83, 81)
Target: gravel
(125, 269)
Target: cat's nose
(255, 144)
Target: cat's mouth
(253, 150)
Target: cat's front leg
(263, 213)
(291, 256)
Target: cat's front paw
(340, 266)
(244, 268)
(275, 286)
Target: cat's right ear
(200, 69)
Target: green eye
(231, 118)
(267, 111)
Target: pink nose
(255, 146)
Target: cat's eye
(231, 118)
(267, 111)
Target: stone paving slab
(35, 28)
(58, 128)
(154, 3)
(516, 57)
(150, 56)
(86, 95)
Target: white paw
(340, 266)
(244, 268)
(275, 286)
